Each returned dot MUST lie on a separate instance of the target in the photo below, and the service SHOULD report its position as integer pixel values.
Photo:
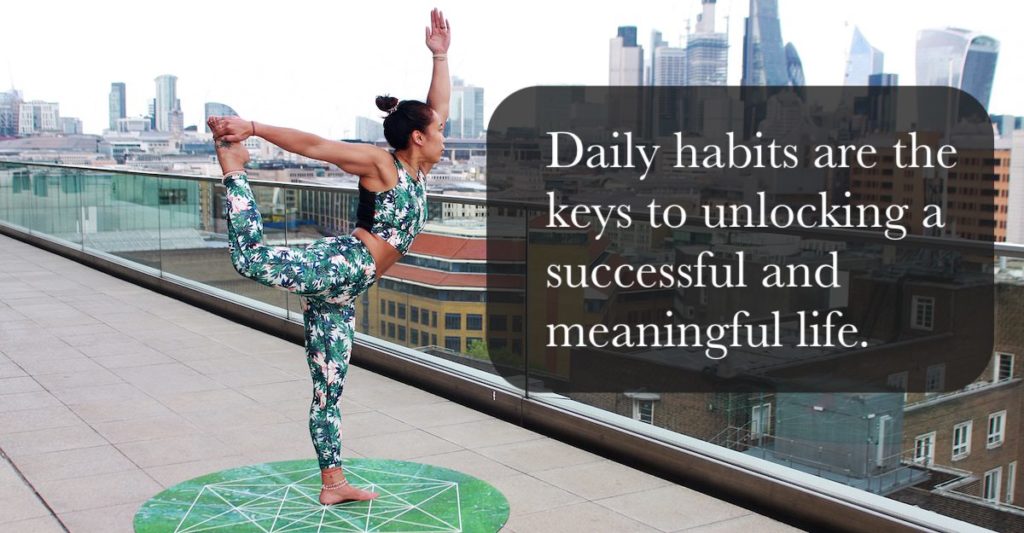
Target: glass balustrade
(442, 303)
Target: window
(382, 305)
(497, 343)
(643, 410)
(924, 449)
(414, 336)
(453, 343)
(1003, 367)
(433, 319)
(922, 311)
(425, 317)
(383, 327)
(391, 308)
(472, 340)
(474, 322)
(391, 330)
(517, 323)
(173, 196)
(401, 311)
(414, 313)
(898, 382)
(401, 333)
(962, 440)
(1011, 480)
(498, 322)
(433, 339)
(990, 490)
(452, 321)
(760, 420)
(996, 425)
(935, 378)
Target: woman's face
(433, 139)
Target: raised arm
(362, 160)
(438, 39)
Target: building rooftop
(110, 393)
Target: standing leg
(329, 332)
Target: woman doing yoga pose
(331, 273)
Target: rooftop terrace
(110, 393)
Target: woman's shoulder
(388, 173)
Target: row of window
(416, 337)
(474, 322)
(924, 445)
(935, 375)
(962, 435)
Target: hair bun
(387, 104)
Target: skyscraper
(881, 105)
(1006, 125)
(625, 58)
(669, 66)
(117, 107)
(656, 42)
(764, 60)
(368, 129)
(883, 79)
(863, 61)
(9, 103)
(166, 100)
(707, 52)
(628, 34)
(176, 121)
(216, 109)
(38, 117)
(794, 67)
(466, 116)
(955, 57)
(70, 126)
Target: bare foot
(338, 493)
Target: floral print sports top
(396, 215)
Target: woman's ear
(417, 137)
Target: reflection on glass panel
(212, 265)
(121, 215)
(14, 183)
(181, 223)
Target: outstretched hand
(438, 32)
(230, 129)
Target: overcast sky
(318, 66)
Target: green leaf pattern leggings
(329, 274)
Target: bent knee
(245, 267)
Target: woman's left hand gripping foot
(232, 155)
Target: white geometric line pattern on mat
(295, 506)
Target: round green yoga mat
(282, 497)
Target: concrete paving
(110, 393)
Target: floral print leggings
(329, 274)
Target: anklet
(337, 485)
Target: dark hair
(403, 118)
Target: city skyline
(270, 80)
